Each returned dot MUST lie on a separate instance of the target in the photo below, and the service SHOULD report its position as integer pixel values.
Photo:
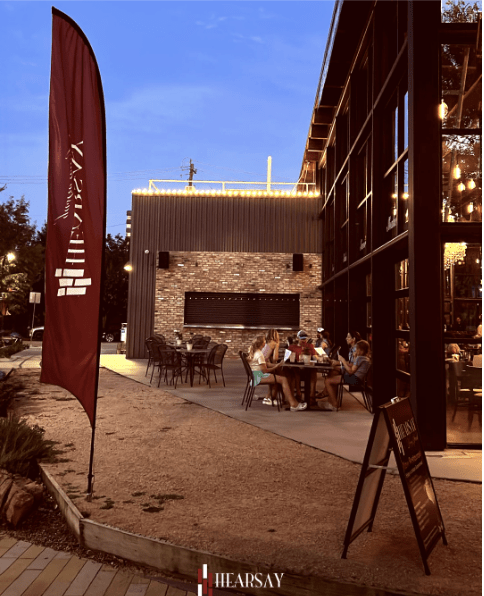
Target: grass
(22, 445)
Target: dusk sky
(225, 84)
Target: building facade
(395, 147)
(391, 239)
(228, 265)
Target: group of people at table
(267, 369)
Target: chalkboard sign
(394, 428)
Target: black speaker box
(163, 260)
(297, 262)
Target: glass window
(401, 275)
(405, 121)
(402, 313)
(391, 191)
(395, 133)
(405, 195)
(461, 178)
(463, 341)
(460, 12)
(403, 355)
(461, 87)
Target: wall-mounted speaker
(163, 260)
(297, 262)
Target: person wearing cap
(319, 337)
(304, 347)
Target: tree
(25, 265)
(115, 297)
(459, 11)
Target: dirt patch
(169, 469)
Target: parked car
(37, 334)
(112, 335)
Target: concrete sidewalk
(344, 433)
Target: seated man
(303, 347)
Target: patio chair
(149, 347)
(170, 362)
(250, 387)
(156, 361)
(365, 387)
(214, 361)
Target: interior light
(443, 110)
(471, 184)
(457, 172)
(470, 207)
(461, 187)
(405, 195)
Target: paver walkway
(29, 570)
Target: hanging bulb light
(470, 207)
(457, 172)
(471, 184)
(461, 187)
(443, 110)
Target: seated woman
(354, 374)
(263, 375)
(326, 342)
(351, 338)
(271, 352)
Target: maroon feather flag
(76, 223)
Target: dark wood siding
(230, 224)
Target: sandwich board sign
(394, 428)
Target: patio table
(306, 371)
(189, 356)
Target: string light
(225, 193)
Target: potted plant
(178, 337)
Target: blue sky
(225, 84)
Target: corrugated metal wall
(209, 224)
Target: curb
(184, 562)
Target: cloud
(214, 21)
(153, 109)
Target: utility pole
(192, 171)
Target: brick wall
(234, 272)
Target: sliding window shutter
(248, 310)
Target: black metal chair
(170, 362)
(149, 347)
(365, 387)
(214, 361)
(156, 361)
(250, 387)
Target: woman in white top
(263, 375)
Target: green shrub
(22, 445)
(7, 351)
(8, 390)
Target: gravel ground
(172, 470)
